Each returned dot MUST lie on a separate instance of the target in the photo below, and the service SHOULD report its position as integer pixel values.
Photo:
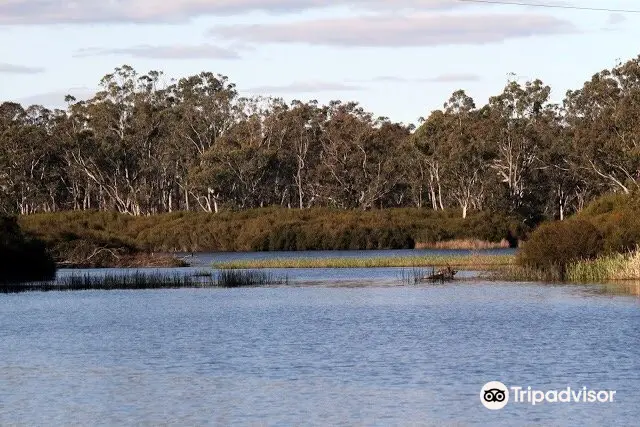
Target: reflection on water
(618, 287)
(315, 355)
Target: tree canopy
(141, 147)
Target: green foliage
(620, 266)
(22, 258)
(142, 148)
(468, 262)
(555, 245)
(608, 226)
(264, 229)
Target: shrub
(267, 229)
(556, 244)
(22, 257)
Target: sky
(399, 59)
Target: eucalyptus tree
(428, 139)
(519, 118)
(204, 109)
(29, 164)
(118, 139)
(604, 123)
(358, 162)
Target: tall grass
(141, 280)
(518, 273)
(473, 244)
(246, 278)
(621, 266)
(415, 275)
(474, 261)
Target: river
(337, 350)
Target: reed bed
(473, 244)
(470, 262)
(141, 280)
(247, 278)
(625, 266)
(415, 275)
(518, 273)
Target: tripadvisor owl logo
(494, 395)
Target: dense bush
(607, 226)
(555, 245)
(266, 229)
(22, 258)
(618, 219)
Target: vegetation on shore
(619, 266)
(143, 280)
(467, 262)
(600, 243)
(142, 147)
(77, 235)
(22, 257)
(465, 244)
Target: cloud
(306, 87)
(453, 77)
(202, 51)
(19, 69)
(616, 18)
(400, 31)
(24, 12)
(55, 99)
(442, 78)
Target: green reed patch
(471, 262)
(620, 266)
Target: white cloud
(21, 12)
(305, 87)
(441, 78)
(399, 31)
(19, 69)
(164, 52)
(55, 99)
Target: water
(316, 355)
(201, 262)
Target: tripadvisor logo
(495, 395)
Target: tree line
(143, 147)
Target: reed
(621, 266)
(247, 278)
(518, 273)
(472, 244)
(471, 262)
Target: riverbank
(270, 229)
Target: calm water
(315, 355)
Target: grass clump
(471, 244)
(519, 273)
(620, 266)
(247, 278)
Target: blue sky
(398, 58)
